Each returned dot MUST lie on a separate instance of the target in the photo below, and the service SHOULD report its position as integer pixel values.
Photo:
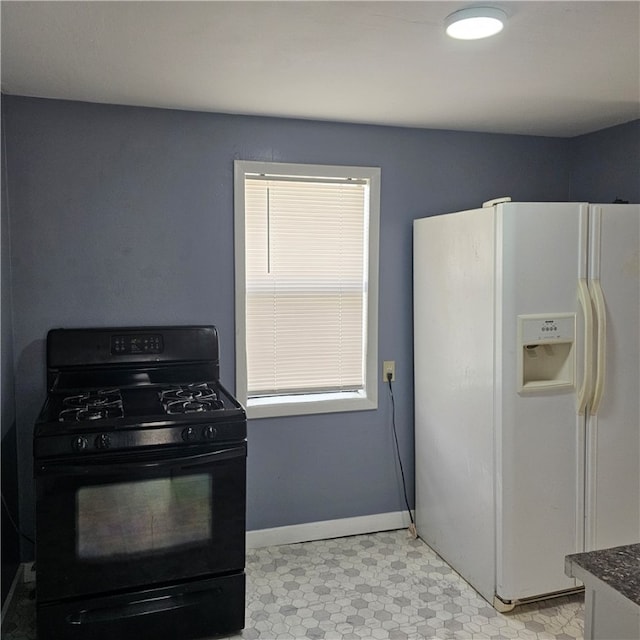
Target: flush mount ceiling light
(475, 23)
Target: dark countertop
(618, 567)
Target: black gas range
(140, 467)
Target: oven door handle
(88, 467)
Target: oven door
(111, 522)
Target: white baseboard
(326, 529)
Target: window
(306, 241)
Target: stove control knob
(103, 441)
(189, 434)
(210, 432)
(79, 443)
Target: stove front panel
(82, 441)
(113, 523)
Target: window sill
(297, 405)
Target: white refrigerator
(527, 390)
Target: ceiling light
(475, 23)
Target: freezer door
(612, 506)
(540, 255)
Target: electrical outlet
(389, 366)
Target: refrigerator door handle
(584, 393)
(601, 333)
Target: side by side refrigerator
(527, 390)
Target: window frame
(312, 403)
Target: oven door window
(133, 519)
(116, 523)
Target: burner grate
(190, 398)
(92, 405)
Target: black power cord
(412, 526)
(13, 522)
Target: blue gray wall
(124, 216)
(605, 165)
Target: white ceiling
(558, 68)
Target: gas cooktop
(123, 389)
(93, 406)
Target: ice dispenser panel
(546, 354)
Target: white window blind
(306, 271)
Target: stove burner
(92, 405)
(190, 398)
(98, 398)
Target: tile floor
(377, 586)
